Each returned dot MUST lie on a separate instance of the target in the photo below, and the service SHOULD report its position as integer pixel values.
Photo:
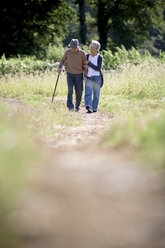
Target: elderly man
(94, 78)
(76, 62)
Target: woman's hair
(96, 43)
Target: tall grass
(22, 85)
(129, 91)
(19, 154)
(131, 81)
(135, 96)
(143, 81)
(143, 136)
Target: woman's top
(91, 71)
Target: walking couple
(90, 65)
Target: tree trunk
(102, 21)
(105, 12)
(82, 19)
(102, 36)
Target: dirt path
(90, 197)
(93, 125)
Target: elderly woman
(94, 78)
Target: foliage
(30, 64)
(3, 64)
(126, 22)
(32, 25)
(26, 64)
(54, 53)
(122, 56)
(162, 55)
(156, 41)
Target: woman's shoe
(89, 110)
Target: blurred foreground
(88, 198)
(84, 195)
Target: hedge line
(111, 61)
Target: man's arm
(84, 61)
(85, 65)
(62, 62)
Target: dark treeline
(29, 26)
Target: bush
(54, 53)
(123, 56)
(132, 56)
(25, 64)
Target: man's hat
(74, 43)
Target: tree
(125, 21)
(156, 42)
(28, 26)
(82, 20)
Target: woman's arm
(98, 66)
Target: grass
(143, 135)
(128, 92)
(51, 115)
(133, 95)
(142, 81)
(2, 106)
(19, 154)
(36, 91)
(22, 85)
(19, 150)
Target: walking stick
(55, 87)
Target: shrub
(111, 61)
(54, 53)
(25, 64)
(123, 56)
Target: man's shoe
(71, 110)
(94, 111)
(77, 109)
